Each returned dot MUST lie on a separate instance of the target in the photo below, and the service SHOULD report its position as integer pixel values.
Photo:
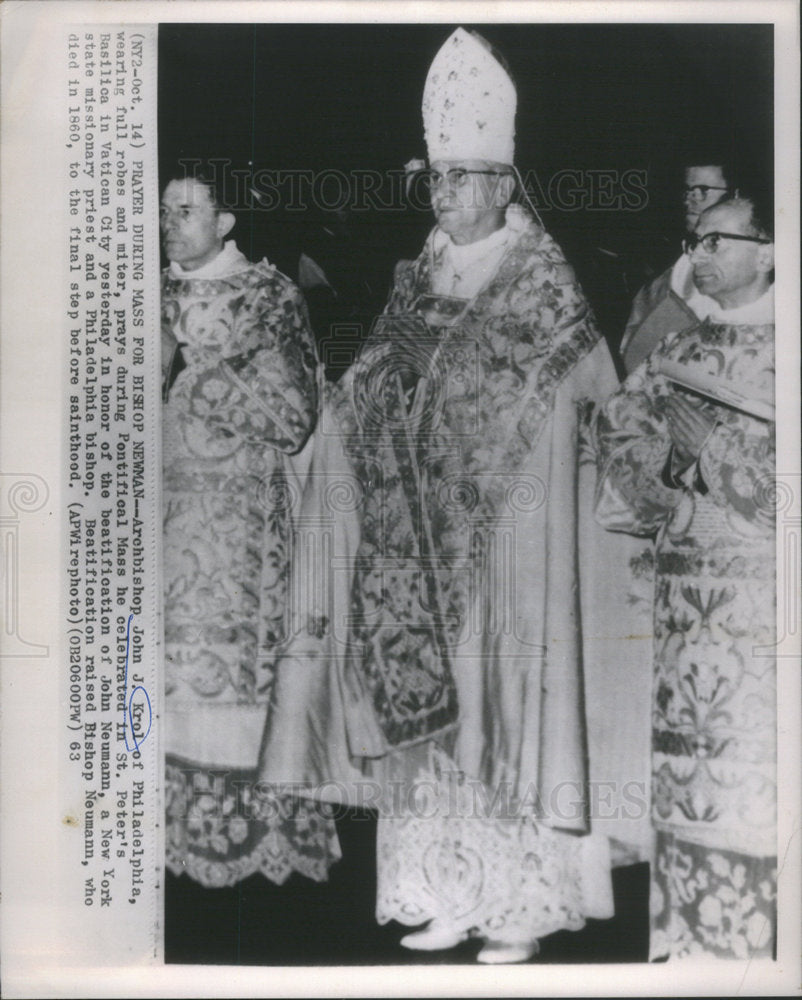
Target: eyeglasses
(699, 191)
(710, 241)
(457, 177)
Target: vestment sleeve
(265, 390)
(641, 305)
(738, 464)
(632, 446)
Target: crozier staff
(239, 371)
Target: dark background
(347, 97)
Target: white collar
(683, 286)
(466, 253)
(229, 261)
(757, 313)
(515, 221)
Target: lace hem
(506, 879)
(223, 826)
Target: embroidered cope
(447, 639)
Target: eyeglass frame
(703, 190)
(699, 241)
(457, 176)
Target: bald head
(738, 270)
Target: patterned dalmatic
(714, 704)
(242, 406)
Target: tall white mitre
(469, 103)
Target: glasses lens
(708, 243)
(431, 180)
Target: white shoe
(504, 952)
(435, 937)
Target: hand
(688, 425)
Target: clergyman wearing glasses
(686, 452)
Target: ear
(765, 257)
(225, 223)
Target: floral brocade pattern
(711, 902)
(223, 826)
(243, 403)
(246, 340)
(714, 695)
(439, 415)
(713, 746)
(246, 395)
